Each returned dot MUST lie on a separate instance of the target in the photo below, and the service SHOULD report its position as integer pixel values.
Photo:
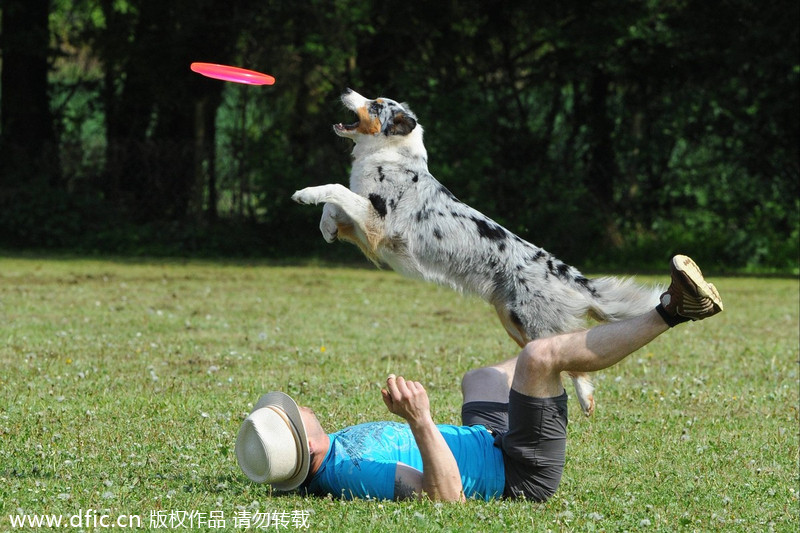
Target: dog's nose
(347, 91)
(352, 100)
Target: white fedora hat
(272, 446)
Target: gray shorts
(532, 433)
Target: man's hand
(407, 399)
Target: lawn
(123, 384)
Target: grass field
(122, 386)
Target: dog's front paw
(307, 196)
(327, 224)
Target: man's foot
(689, 296)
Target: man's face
(310, 420)
(317, 439)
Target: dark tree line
(612, 133)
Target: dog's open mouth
(366, 124)
(346, 127)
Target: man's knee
(474, 377)
(470, 376)
(538, 356)
(489, 384)
(538, 372)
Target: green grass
(122, 386)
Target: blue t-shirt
(362, 459)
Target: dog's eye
(375, 108)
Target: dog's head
(381, 116)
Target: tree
(28, 145)
(159, 115)
(608, 131)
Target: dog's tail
(615, 299)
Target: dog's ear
(401, 124)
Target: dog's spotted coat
(400, 215)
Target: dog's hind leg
(513, 328)
(584, 390)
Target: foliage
(608, 134)
(125, 382)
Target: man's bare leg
(582, 351)
(538, 369)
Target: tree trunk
(28, 144)
(159, 133)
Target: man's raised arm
(441, 479)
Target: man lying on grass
(513, 440)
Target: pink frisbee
(234, 74)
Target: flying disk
(234, 74)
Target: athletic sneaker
(689, 295)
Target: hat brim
(289, 406)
